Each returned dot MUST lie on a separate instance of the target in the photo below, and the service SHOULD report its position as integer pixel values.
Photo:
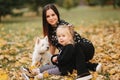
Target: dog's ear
(46, 38)
(37, 40)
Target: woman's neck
(54, 26)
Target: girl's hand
(54, 59)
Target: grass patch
(90, 15)
(32, 26)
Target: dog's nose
(47, 47)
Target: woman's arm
(52, 49)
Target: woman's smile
(52, 18)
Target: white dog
(40, 54)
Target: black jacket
(66, 59)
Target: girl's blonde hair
(70, 29)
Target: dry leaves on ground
(104, 35)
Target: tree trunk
(0, 18)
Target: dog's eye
(42, 44)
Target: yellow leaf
(2, 42)
(3, 75)
(32, 67)
(20, 45)
(45, 74)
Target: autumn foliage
(17, 52)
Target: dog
(40, 53)
(40, 57)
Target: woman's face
(51, 17)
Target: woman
(51, 20)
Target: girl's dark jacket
(65, 59)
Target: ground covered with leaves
(16, 47)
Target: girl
(70, 57)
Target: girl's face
(51, 17)
(64, 36)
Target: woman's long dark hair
(46, 25)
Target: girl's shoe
(99, 68)
(26, 71)
(87, 76)
(39, 76)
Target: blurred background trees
(8, 6)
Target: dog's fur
(40, 54)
